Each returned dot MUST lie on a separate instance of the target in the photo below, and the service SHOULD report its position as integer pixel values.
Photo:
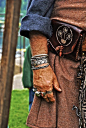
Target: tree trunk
(8, 58)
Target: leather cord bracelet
(41, 67)
(39, 61)
(40, 55)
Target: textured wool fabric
(39, 12)
(71, 11)
(37, 17)
(58, 114)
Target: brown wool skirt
(58, 114)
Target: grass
(18, 109)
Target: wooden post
(8, 58)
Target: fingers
(56, 84)
(46, 98)
(49, 97)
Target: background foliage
(2, 18)
(2, 6)
(23, 6)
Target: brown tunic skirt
(58, 114)
(70, 11)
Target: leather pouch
(66, 40)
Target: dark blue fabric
(31, 97)
(37, 17)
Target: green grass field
(18, 109)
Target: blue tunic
(37, 17)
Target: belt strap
(84, 45)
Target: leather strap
(84, 45)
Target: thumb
(56, 84)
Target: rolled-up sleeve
(37, 17)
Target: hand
(44, 80)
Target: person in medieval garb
(27, 75)
(54, 28)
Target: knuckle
(34, 83)
(50, 96)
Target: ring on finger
(34, 89)
(43, 93)
(38, 94)
(48, 92)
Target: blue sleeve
(37, 17)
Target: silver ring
(38, 94)
(43, 93)
(34, 89)
(48, 92)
